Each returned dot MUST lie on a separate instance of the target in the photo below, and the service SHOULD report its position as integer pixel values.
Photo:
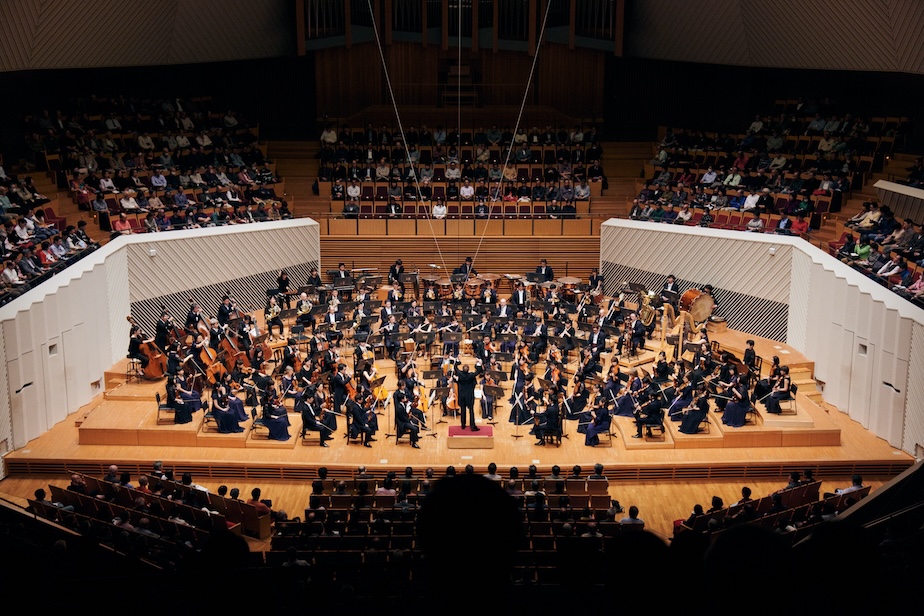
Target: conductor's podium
(464, 438)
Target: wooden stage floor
(120, 427)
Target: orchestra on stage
(326, 350)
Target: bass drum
(697, 303)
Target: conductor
(466, 381)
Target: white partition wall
(867, 342)
(57, 340)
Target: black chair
(165, 412)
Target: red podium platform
(460, 438)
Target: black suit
(466, 381)
(546, 272)
(404, 424)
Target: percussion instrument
(445, 285)
(473, 288)
(569, 287)
(697, 303)
(489, 277)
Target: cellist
(136, 339)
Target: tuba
(646, 312)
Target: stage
(120, 427)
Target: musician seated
(276, 419)
(407, 423)
(311, 419)
(548, 422)
(599, 425)
(648, 415)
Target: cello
(157, 360)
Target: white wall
(62, 335)
(859, 334)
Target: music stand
(535, 277)
(374, 385)
(320, 309)
(438, 394)
(432, 306)
(432, 374)
(455, 337)
(458, 277)
(500, 356)
(497, 393)
(497, 375)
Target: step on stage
(120, 427)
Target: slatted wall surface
(782, 34)
(249, 291)
(746, 313)
(43, 34)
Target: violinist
(239, 373)
(588, 365)
(723, 380)
(648, 415)
(181, 411)
(282, 288)
(271, 316)
(262, 381)
(600, 424)
(276, 419)
(487, 400)
(781, 391)
(484, 349)
(683, 396)
(339, 381)
(704, 353)
(548, 422)
(627, 403)
(662, 369)
(174, 361)
(136, 339)
(737, 407)
(358, 423)
(523, 394)
(291, 357)
(765, 386)
(288, 384)
(695, 412)
(311, 416)
(406, 422)
(699, 373)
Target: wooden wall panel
(348, 80)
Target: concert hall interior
(443, 286)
